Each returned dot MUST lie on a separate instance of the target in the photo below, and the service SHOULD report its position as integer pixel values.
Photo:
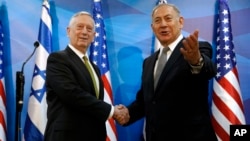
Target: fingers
(190, 49)
(120, 106)
(121, 114)
(191, 42)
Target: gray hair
(79, 14)
(166, 4)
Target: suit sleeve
(209, 69)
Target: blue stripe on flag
(45, 36)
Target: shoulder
(151, 58)
(63, 53)
(204, 44)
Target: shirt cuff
(195, 69)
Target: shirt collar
(173, 44)
(77, 52)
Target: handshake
(121, 114)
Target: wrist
(199, 62)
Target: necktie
(162, 59)
(87, 63)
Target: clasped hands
(121, 114)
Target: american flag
(3, 114)
(37, 107)
(99, 55)
(227, 106)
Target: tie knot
(165, 50)
(85, 58)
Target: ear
(152, 27)
(181, 21)
(68, 31)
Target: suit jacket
(178, 108)
(74, 113)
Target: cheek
(154, 29)
(92, 37)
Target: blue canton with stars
(225, 56)
(98, 48)
(1, 51)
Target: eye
(90, 29)
(157, 21)
(79, 27)
(168, 19)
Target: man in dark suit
(76, 110)
(176, 108)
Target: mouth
(164, 33)
(83, 38)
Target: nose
(84, 29)
(164, 23)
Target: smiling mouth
(83, 39)
(165, 32)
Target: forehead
(83, 18)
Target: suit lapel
(170, 63)
(76, 60)
(148, 73)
